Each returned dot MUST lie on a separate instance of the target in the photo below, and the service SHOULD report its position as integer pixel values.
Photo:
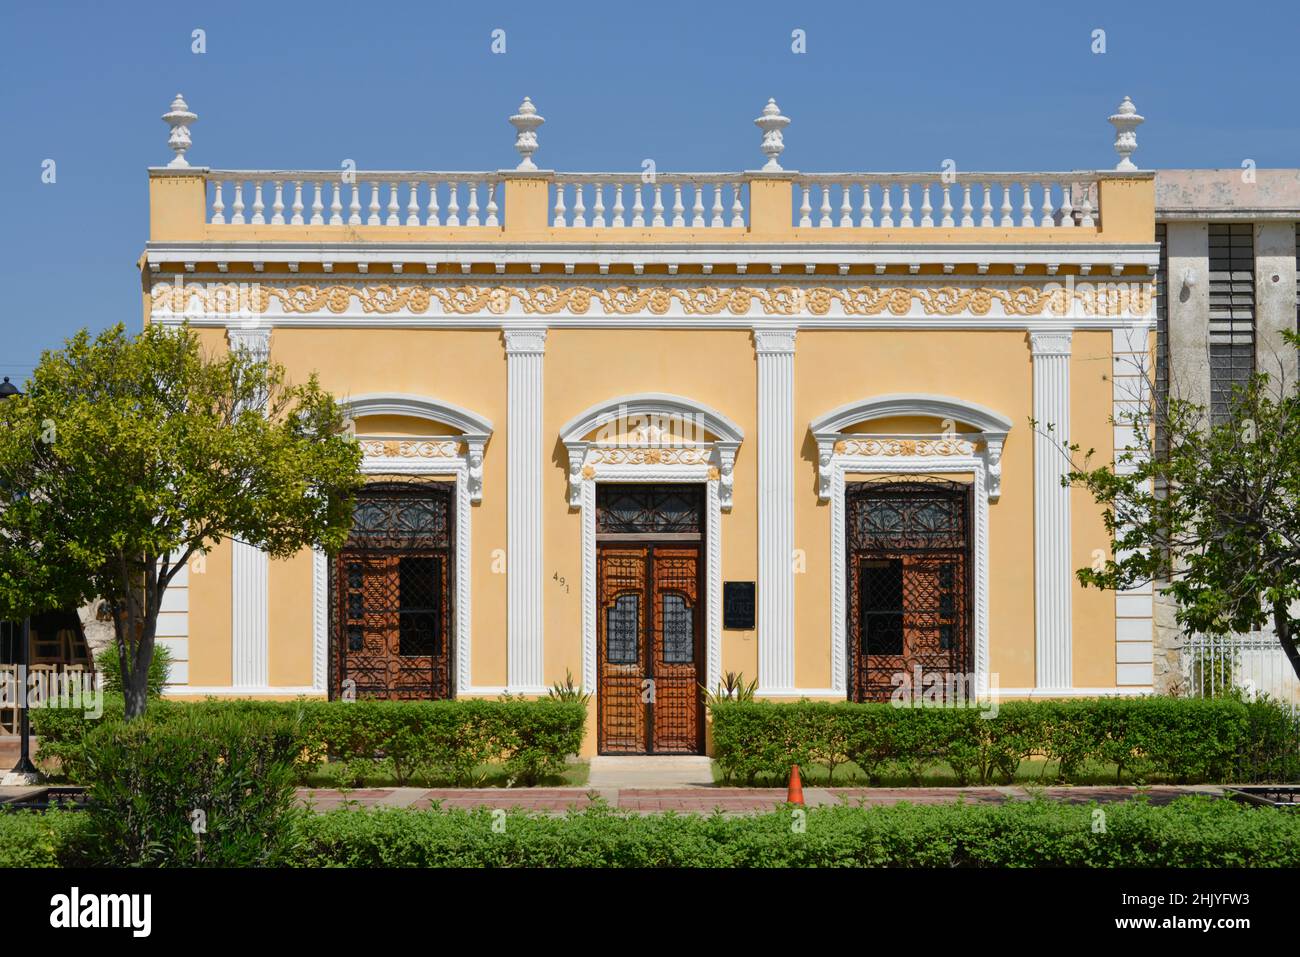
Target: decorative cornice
(419, 407)
(651, 408)
(911, 404)
(835, 446)
(1054, 299)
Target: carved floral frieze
(256, 298)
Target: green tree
(1213, 509)
(129, 457)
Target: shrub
(1190, 832)
(33, 839)
(1186, 740)
(199, 788)
(61, 733)
(109, 666)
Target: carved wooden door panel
(675, 656)
(648, 627)
(621, 615)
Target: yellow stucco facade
(486, 360)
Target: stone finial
(179, 119)
(772, 123)
(525, 123)
(1126, 120)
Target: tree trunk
(1282, 627)
(139, 655)
(135, 686)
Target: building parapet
(527, 205)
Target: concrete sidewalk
(705, 800)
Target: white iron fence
(1253, 663)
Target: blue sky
(882, 86)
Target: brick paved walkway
(707, 800)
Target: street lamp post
(24, 772)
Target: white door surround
(976, 453)
(647, 452)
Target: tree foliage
(1209, 504)
(129, 457)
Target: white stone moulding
(954, 453)
(466, 468)
(585, 471)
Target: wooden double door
(648, 629)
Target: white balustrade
(1062, 200)
(674, 201)
(670, 201)
(389, 199)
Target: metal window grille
(908, 546)
(623, 630)
(391, 599)
(1232, 313)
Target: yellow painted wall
(210, 598)
(992, 368)
(1093, 610)
(464, 367)
(586, 366)
(289, 621)
(717, 367)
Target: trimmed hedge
(434, 741)
(1179, 739)
(1190, 832)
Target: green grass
(369, 774)
(939, 775)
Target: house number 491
(561, 581)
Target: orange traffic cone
(794, 794)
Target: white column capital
(253, 339)
(524, 340)
(1050, 342)
(774, 341)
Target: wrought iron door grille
(391, 608)
(908, 546)
(649, 509)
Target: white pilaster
(249, 626)
(249, 619)
(775, 354)
(525, 349)
(1053, 574)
